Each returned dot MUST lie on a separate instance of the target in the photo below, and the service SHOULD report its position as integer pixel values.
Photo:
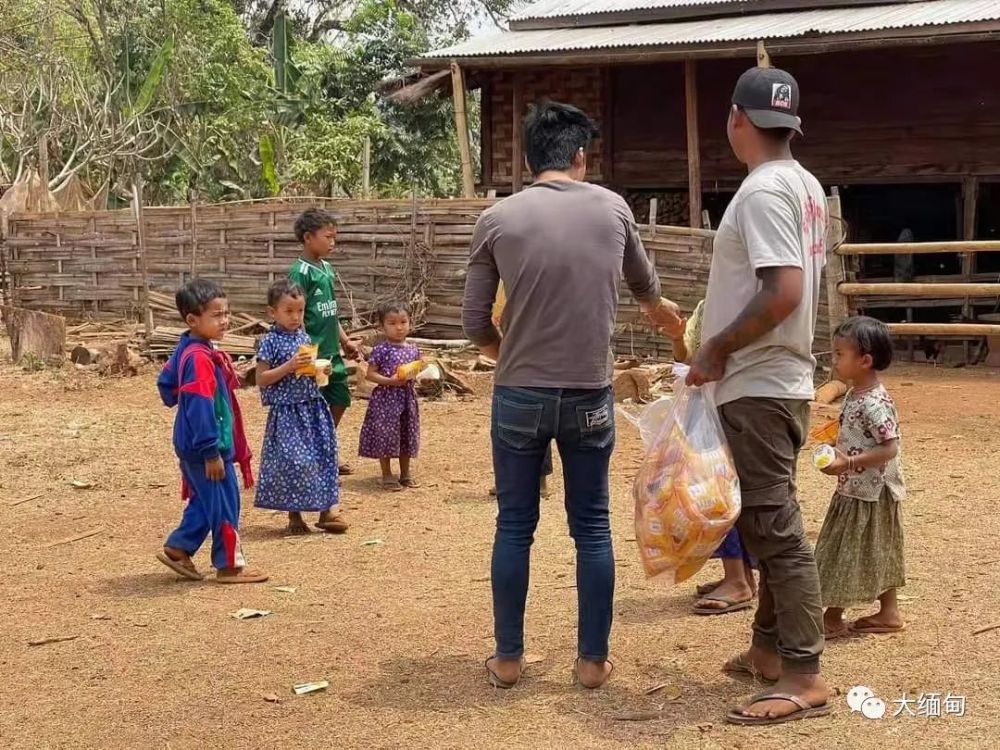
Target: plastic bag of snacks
(687, 494)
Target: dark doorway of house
(904, 213)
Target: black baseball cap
(770, 97)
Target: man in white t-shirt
(759, 321)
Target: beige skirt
(859, 552)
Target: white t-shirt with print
(778, 218)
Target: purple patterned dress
(392, 422)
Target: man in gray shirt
(560, 247)
(757, 334)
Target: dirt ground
(400, 628)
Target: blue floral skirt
(299, 462)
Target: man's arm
(481, 282)
(779, 296)
(770, 228)
(644, 284)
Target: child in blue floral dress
(298, 469)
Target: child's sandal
(409, 483)
(391, 485)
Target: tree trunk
(35, 333)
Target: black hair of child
(193, 296)
(313, 220)
(870, 337)
(553, 133)
(283, 288)
(392, 307)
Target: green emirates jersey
(322, 324)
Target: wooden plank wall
(86, 265)
(888, 114)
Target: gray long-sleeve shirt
(561, 249)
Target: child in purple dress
(392, 422)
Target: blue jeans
(582, 422)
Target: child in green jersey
(316, 229)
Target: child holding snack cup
(298, 470)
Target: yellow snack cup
(411, 370)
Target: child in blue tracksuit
(208, 439)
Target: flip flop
(805, 711)
(835, 634)
(391, 486)
(409, 483)
(244, 576)
(333, 526)
(874, 629)
(731, 605)
(738, 665)
(602, 683)
(345, 470)
(179, 568)
(494, 679)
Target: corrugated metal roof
(563, 8)
(788, 25)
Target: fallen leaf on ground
(81, 484)
(100, 616)
(286, 589)
(270, 697)
(250, 614)
(372, 543)
(310, 687)
(670, 691)
(530, 659)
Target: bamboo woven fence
(87, 265)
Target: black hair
(283, 288)
(870, 337)
(312, 220)
(553, 133)
(193, 296)
(392, 307)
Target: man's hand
(665, 315)
(215, 469)
(709, 364)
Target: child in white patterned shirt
(859, 552)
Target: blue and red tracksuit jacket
(200, 381)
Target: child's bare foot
(880, 623)
(180, 562)
(331, 521)
(239, 575)
(297, 525)
(833, 624)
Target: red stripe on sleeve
(203, 383)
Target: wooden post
(836, 272)
(140, 228)
(486, 134)
(763, 58)
(970, 197)
(366, 169)
(194, 234)
(517, 136)
(607, 126)
(706, 219)
(693, 147)
(462, 127)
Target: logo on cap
(781, 96)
